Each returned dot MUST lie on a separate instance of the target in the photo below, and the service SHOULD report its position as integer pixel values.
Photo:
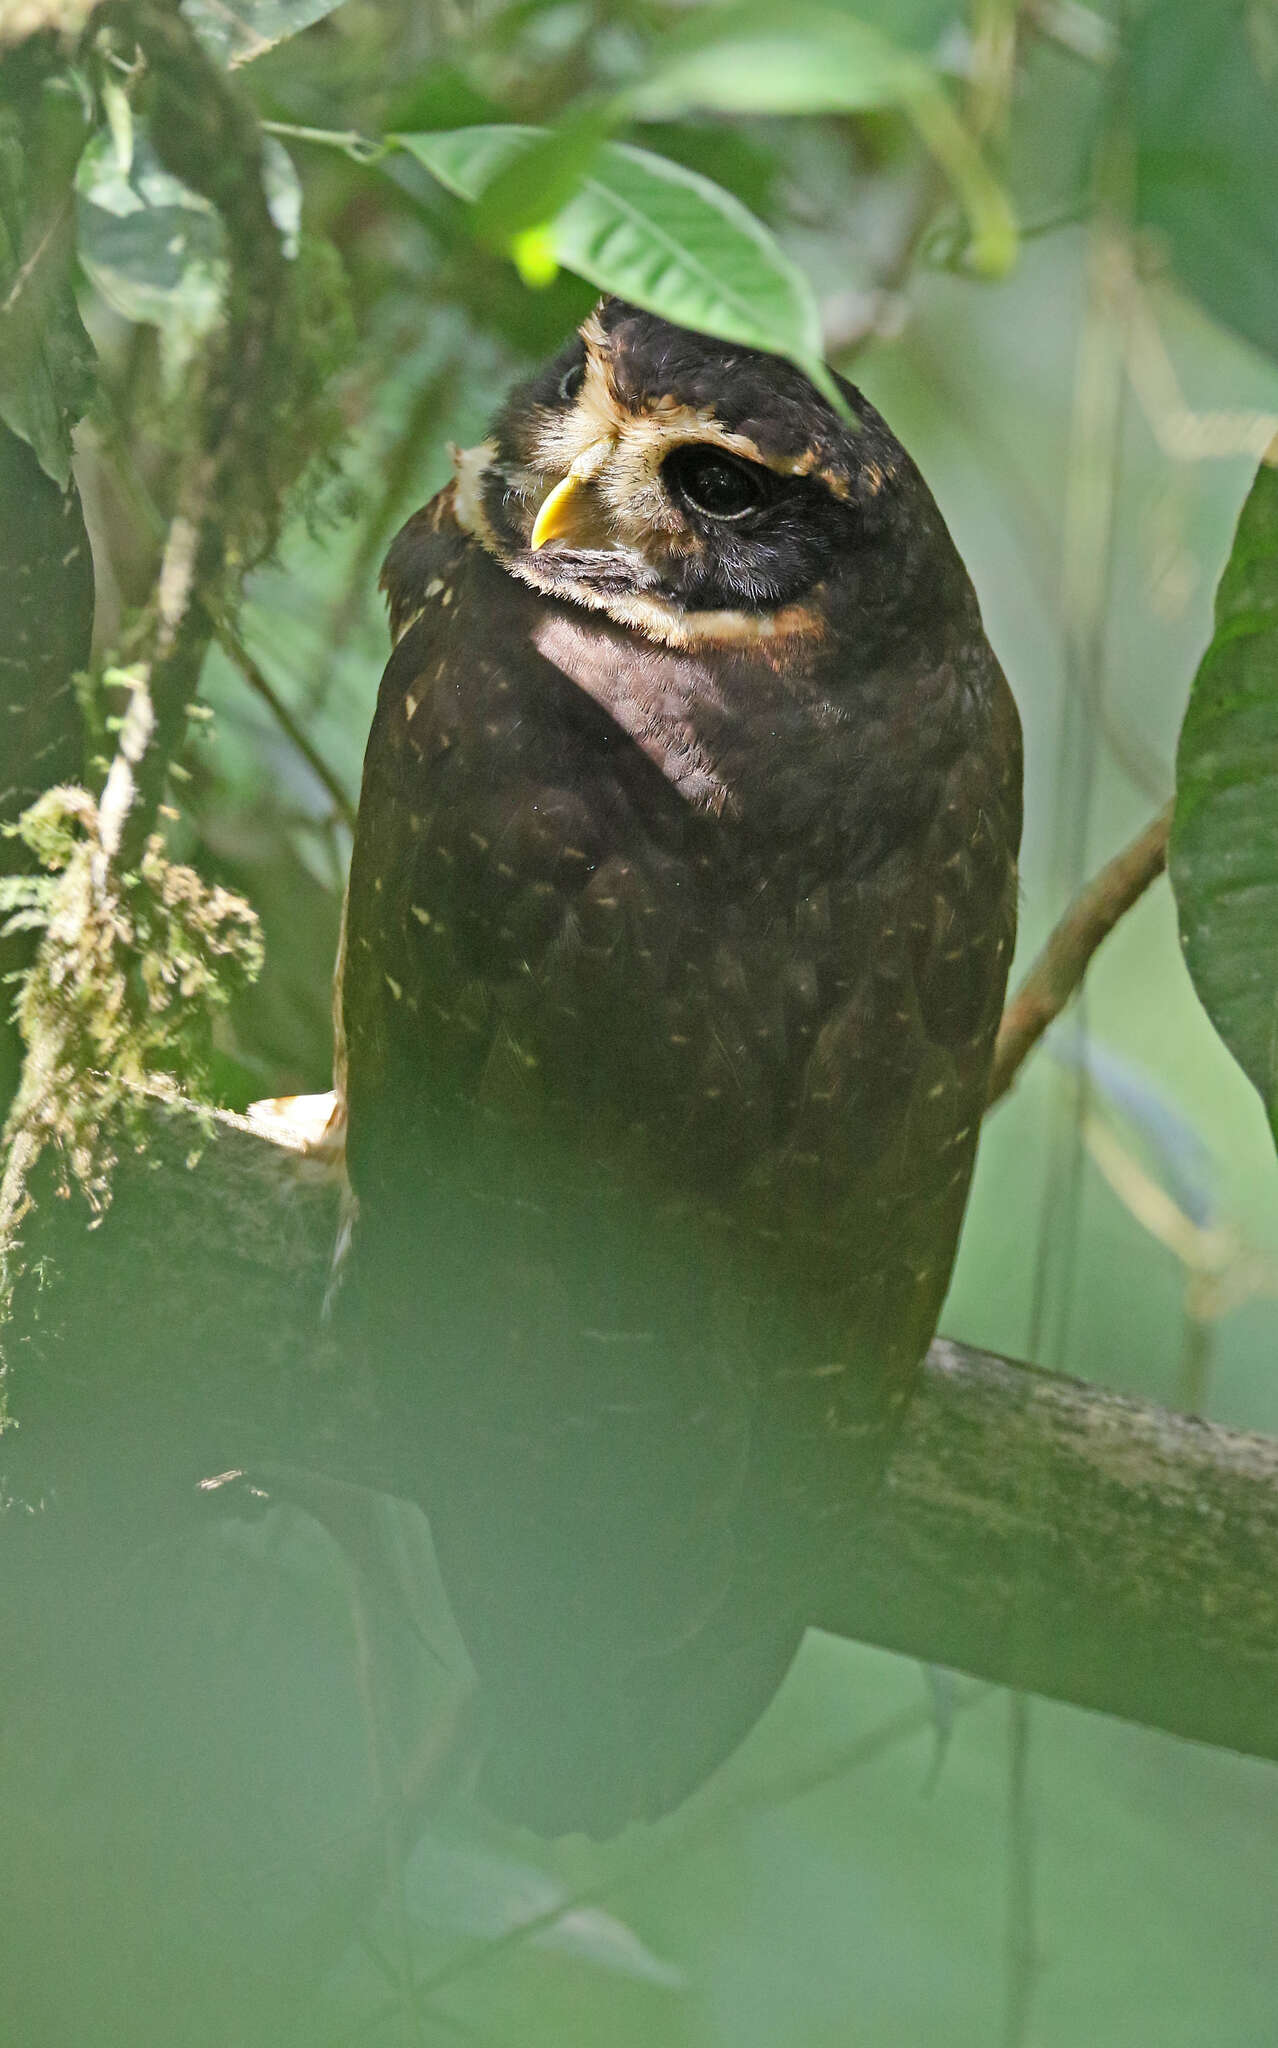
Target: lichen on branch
(230, 491)
(136, 953)
(133, 967)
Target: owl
(680, 912)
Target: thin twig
(359, 148)
(1193, 1373)
(1092, 474)
(23, 277)
(1059, 969)
(387, 1783)
(1031, 533)
(233, 647)
(1022, 1953)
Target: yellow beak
(555, 516)
(563, 516)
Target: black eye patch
(713, 482)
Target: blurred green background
(893, 1859)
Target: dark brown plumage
(680, 913)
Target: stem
(1022, 1939)
(1058, 971)
(1193, 1372)
(1086, 577)
(235, 650)
(359, 148)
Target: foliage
(1044, 236)
(1204, 86)
(652, 232)
(1225, 848)
(744, 60)
(46, 368)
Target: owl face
(697, 492)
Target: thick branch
(1068, 1541)
(1057, 973)
(1031, 1529)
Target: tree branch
(206, 135)
(1059, 969)
(1031, 1529)
(1058, 1538)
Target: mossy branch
(1031, 1529)
(227, 509)
(112, 995)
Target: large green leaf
(805, 59)
(1203, 98)
(154, 248)
(157, 250)
(1224, 845)
(236, 31)
(47, 364)
(657, 234)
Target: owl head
(700, 492)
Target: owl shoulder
(426, 552)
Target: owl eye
(716, 483)
(571, 382)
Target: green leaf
(536, 184)
(656, 234)
(1203, 104)
(155, 249)
(813, 60)
(1224, 843)
(747, 60)
(47, 366)
(235, 31)
(463, 1887)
